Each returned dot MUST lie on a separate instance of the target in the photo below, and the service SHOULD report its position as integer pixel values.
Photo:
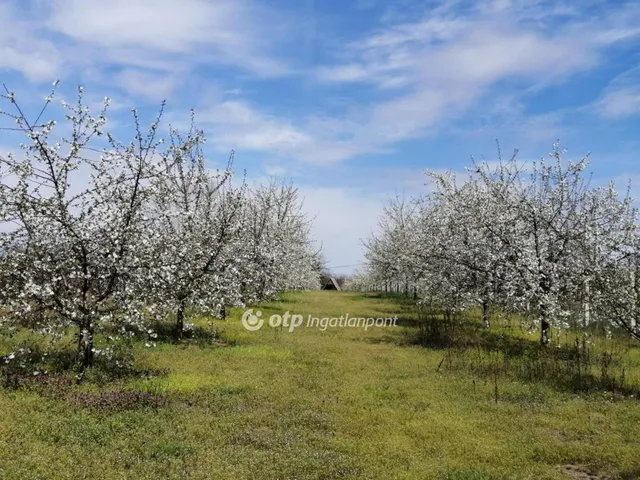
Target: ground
(343, 403)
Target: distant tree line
(533, 238)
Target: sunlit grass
(343, 403)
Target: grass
(343, 403)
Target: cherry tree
(391, 253)
(544, 223)
(534, 238)
(611, 263)
(96, 233)
(277, 253)
(194, 217)
(71, 221)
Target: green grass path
(343, 403)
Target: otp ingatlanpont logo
(252, 322)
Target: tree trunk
(486, 321)
(544, 331)
(633, 323)
(587, 304)
(545, 327)
(85, 345)
(180, 321)
(243, 290)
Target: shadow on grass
(34, 363)
(397, 298)
(167, 332)
(405, 335)
(64, 387)
(576, 368)
(466, 346)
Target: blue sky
(352, 100)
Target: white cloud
(22, 50)
(148, 84)
(445, 82)
(160, 25)
(235, 124)
(622, 102)
(238, 125)
(434, 70)
(622, 97)
(223, 31)
(39, 38)
(431, 70)
(36, 61)
(448, 61)
(342, 73)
